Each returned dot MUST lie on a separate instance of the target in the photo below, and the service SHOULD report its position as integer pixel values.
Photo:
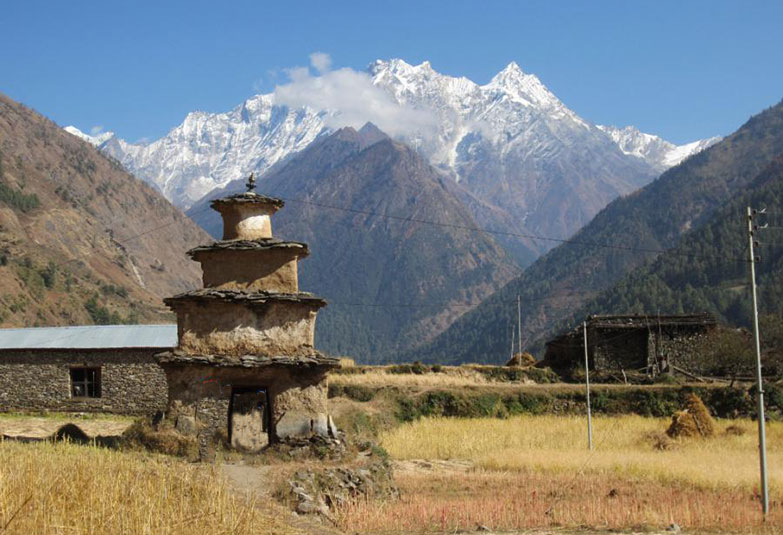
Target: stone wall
(618, 349)
(681, 349)
(131, 381)
(297, 397)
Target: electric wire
(408, 219)
(571, 241)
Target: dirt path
(257, 481)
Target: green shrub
(416, 368)
(49, 274)
(100, 315)
(16, 199)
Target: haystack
(693, 421)
(521, 360)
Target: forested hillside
(624, 236)
(81, 240)
(708, 271)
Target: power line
(409, 219)
(509, 233)
(447, 305)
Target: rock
(186, 425)
(308, 508)
(333, 432)
(481, 527)
(330, 487)
(674, 528)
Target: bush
(354, 392)
(16, 199)
(49, 274)
(100, 315)
(416, 368)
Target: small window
(85, 382)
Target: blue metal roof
(90, 337)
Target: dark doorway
(249, 419)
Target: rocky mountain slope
(526, 162)
(628, 233)
(391, 283)
(81, 240)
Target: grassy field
(58, 488)
(536, 471)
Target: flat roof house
(635, 342)
(106, 368)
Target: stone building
(652, 344)
(245, 363)
(95, 368)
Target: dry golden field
(60, 488)
(377, 378)
(535, 471)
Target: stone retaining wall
(131, 381)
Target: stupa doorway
(249, 419)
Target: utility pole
(519, 323)
(759, 387)
(512, 341)
(587, 384)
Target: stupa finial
(251, 182)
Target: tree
(727, 352)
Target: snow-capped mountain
(96, 140)
(208, 150)
(524, 162)
(658, 152)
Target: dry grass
(624, 447)
(347, 362)
(504, 501)
(469, 376)
(62, 488)
(536, 471)
(379, 378)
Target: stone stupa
(245, 368)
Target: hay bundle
(521, 360)
(693, 421)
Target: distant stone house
(96, 368)
(651, 343)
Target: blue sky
(683, 70)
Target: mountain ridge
(391, 283)
(513, 146)
(620, 239)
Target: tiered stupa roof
(250, 311)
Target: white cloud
(95, 130)
(271, 77)
(320, 61)
(350, 99)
